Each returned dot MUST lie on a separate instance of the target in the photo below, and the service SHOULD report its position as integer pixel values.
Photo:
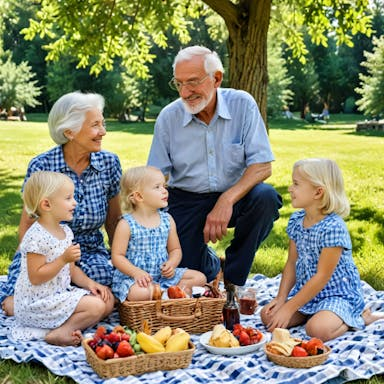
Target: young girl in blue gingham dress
(320, 284)
(146, 248)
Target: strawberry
(105, 352)
(244, 338)
(315, 346)
(125, 349)
(298, 351)
(113, 337)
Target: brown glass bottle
(231, 314)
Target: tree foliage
(107, 29)
(17, 87)
(372, 83)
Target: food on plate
(283, 343)
(240, 336)
(222, 338)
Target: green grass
(358, 155)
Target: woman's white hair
(325, 173)
(212, 62)
(68, 113)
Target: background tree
(17, 87)
(107, 29)
(372, 84)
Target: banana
(149, 344)
(163, 334)
(177, 342)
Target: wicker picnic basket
(298, 362)
(193, 315)
(138, 364)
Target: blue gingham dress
(47, 305)
(147, 249)
(99, 183)
(343, 293)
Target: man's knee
(265, 199)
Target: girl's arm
(119, 259)
(174, 252)
(113, 215)
(40, 271)
(79, 278)
(288, 280)
(173, 246)
(328, 260)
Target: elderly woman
(76, 124)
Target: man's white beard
(199, 107)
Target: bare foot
(56, 337)
(7, 306)
(370, 317)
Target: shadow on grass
(368, 215)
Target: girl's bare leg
(191, 278)
(325, 325)
(7, 306)
(89, 312)
(370, 317)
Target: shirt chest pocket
(234, 159)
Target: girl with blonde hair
(320, 284)
(46, 305)
(146, 248)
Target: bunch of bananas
(164, 340)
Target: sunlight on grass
(357, 154)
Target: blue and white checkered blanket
(356, 355)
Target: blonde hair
(132, 181)
(40, 185)
(325, 173)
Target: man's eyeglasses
(177, 85)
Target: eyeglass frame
(190, 84)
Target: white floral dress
(40, 308)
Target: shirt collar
(95, 160)
(221, 109)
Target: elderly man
(213, 145)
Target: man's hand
(217, 221)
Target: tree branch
(226, 9)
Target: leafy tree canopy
(17, 87)
(96, 32)
(372, 84)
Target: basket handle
(161, 315)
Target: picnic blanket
(355, 355)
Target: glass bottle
(231, 314)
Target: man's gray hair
(212, 62)
(68, 113)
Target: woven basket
(193, 315)
(298, 362)
(137, 364)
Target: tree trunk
(247, 24)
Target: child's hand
(101, 291)
(167, 270)
(143, 279)
(72, 253)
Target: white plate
(234, 351)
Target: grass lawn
(358, 155)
